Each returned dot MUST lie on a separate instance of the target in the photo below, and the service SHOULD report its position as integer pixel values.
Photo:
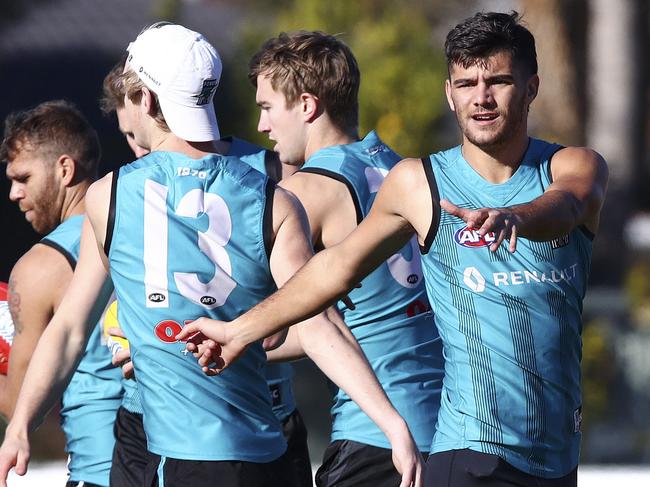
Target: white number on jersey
(211, 242)
(408, 273)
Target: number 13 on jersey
(212, 243)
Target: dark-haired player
(510, 322)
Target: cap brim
(194, 124)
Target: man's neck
(168, 142)
(74, 203)
(325, 134)
(498, 163)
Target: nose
(262, 124)
(483, 95)
(16, 192)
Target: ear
(450, 101)
(147, 102)
(67, 169)
(532, 88)
(310, 106)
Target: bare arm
(58, 352)
(324, 338)
(575, 197)
(36, 287)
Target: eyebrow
(490, 79)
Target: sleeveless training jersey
(91, 400)
(278, 376)
(391, 321)
(510, 323)
(189, 238)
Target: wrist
(17, 429)
(397, 428)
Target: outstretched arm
(324, 338)
(575, 197)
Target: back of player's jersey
(91, 400)
(190, 238)
(391, 320)
(510, 323)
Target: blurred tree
(169, 10)
(402, 65)
(559, 27)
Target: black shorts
(130, 451)
(297, 453)
(80, 483)
(468, 468)
(183, 473)
(348, 463)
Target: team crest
(469, 237)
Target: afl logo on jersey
(156, 297)
(208, 300)
(469, 237)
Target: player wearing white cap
(186, 233)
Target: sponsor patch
(469, 237)
(560, 242)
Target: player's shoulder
(577, 153)
(583, 159)
(41, 267)
(407, 171)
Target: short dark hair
(52, 129)
(316, 63)
(487, 33)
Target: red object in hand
(6, 330)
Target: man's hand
(13, 453)
(274, 341)
(407, 458)
(502, 221)
(122, 357)
(212, 343)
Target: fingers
(452, 209)
(513, 239)
(116, 332)
(121, 357)
(21, 462)
(419, 474)
(5, 466)
(500, 237)
(189, 330)
(128, 370)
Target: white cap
(183, 69)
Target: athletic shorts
(130, 451)
(170, 472)
(297, 453)
(348, 463)
(468, 468)
(81, 483)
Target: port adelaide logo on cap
(471, 238)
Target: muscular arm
(325, 338)
(402, 206)
(36, 287)
(575, 197)
(64, 339)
